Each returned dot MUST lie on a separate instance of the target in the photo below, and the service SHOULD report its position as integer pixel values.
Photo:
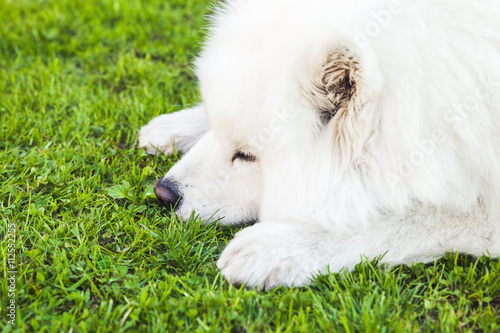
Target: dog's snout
(167, 193)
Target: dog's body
(346, 129)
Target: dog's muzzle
(167, 193)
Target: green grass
(96, 252)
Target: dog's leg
(181, 129)
(270, 254)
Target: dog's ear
(337, 85)
(346, 86)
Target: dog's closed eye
(243, 156)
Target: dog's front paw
(268, 255)
(180, 129)
(161, 133)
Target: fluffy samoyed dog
(346, 130)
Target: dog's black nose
(167, 193)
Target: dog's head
(285, 108)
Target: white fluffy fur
(408, 166)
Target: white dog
(346, 129)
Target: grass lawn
(94, 250)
